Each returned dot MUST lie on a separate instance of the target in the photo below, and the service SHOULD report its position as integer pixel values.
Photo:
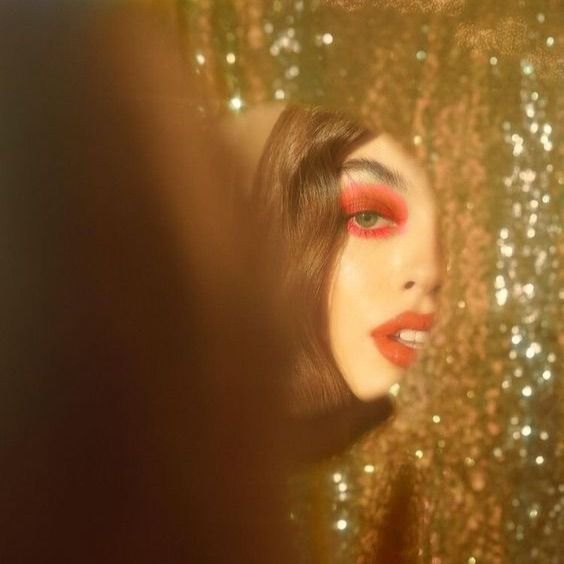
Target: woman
(357, 216)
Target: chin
(367, 373)
(374, 387)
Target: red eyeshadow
(374, 198)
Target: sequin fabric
(475, 89)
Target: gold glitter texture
(476, 449)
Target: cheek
(359, 300)
(363, 290)
(357, 295)
(360, 272)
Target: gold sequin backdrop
(475, 88)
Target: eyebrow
(378, 171)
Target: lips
(399, 339)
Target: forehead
(386, 151)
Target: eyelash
(386, 230)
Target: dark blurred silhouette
(141, 358)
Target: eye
(368, 219)
(368, 224)
(373, 211)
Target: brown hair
(297, 187)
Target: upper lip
(406, 320)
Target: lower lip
(395, 351)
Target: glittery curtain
(471, 470)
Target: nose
(428, 288)
(422, 267)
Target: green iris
(367, 220)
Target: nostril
(409, 284)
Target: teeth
(421, 336)
(412, 337)
(407, 335)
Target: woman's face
(382, 290)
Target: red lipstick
(387, 339)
